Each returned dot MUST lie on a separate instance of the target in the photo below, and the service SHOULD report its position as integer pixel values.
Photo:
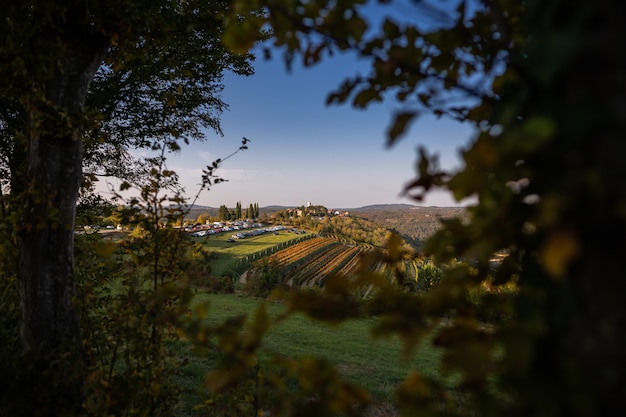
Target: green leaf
(399, 125)
(365, 96)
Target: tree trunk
(49, 329)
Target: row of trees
(252, 212)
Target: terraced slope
(309, 263)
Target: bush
(262, 279)
(220, 285)
(197, 266)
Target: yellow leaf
(413, 386)
(394, 246)
(541, 127)
(558, 251)
(217, 381)
(106, 249)
(201, 310)
(483, 153)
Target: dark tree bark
(49, 327)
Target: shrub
(262, 279)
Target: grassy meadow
(376, 365)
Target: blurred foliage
(542, 83)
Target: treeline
(252, 212)
(224, 213)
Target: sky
(302, 151)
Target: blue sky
(303, 151)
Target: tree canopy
(82, 83)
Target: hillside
(414, 222)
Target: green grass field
(225, 253)
(375, 365)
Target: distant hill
(272, 209)
(415, 222)
(384, 207)
(198, 210)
